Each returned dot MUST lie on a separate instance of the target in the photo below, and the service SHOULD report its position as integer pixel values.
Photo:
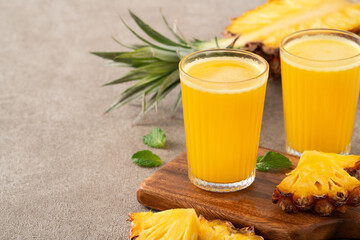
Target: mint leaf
(272, 160)
(156, 138)
(146, 158)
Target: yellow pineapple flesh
(322, 182)
(183, 224)
(177, 224)
(261, 30)
(223, 230)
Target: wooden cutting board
(170, 187)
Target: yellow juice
(222, 117)
(320, 81)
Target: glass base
(222, 187)
(292, 151)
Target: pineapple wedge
(322, 182)
(261, 30)
(183, 224)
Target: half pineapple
(262, 29)
(183, 224)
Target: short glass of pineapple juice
(320, 71)
(223, 94)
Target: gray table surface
(65, 168)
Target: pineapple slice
(274, 20)
(177, 224)
(322, 182)
(223, 230)
(183, 224)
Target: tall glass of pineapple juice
(320, 71)
(223, 95)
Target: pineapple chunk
(177, 224)
(274, 20)
(183, 224)
(322, 182)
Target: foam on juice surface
(224, 74)
(323, 53)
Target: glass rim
(329, 30)
(181, 63)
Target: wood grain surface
(170, 187)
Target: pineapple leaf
(142, 82)
(154, 34)
(216, 42)
(137, 89)
(107, 55)
(148, 90)
(144, 40)
(158, 67)
(195, 40)
(177, 36)
(166, 56)
(117, 64)
(170, 79)
(136, 62)
(131, 76)
(122, 102)
(176, 103)
(181, 52)
(134, 94)
(150, 53)
(116, 57)
(124, 45)
(154, 87)
(142, 53)
(153, 102)
(143, 102)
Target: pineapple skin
(262, 29)
(322, 182)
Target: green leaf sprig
(146, 158)
(156, 138)
(272, 160)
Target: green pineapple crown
(155, 64)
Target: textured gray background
(65, 168)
